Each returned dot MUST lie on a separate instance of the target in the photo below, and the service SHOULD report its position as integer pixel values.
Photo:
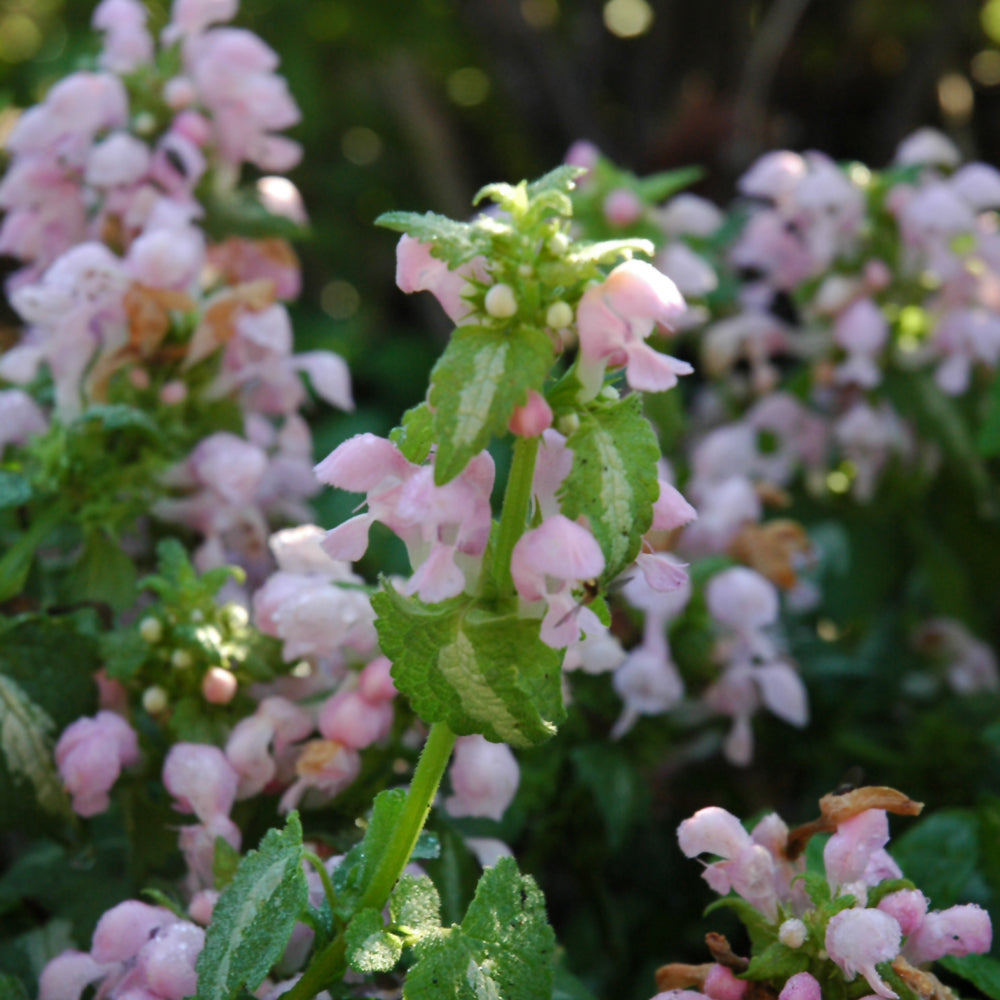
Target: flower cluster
(814, 931)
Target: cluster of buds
(814, 931)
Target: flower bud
(154, 699)
(219, 686)
(559, 315)
(151, 629)
(792, 933)
(532, 418)
(500, 302)
(181, 659)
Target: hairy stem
(516, 504)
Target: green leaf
(119, 417)
(370, 947)
(613, 480)
(482, 376)
(415, 436)
(15, 565)
(415, 906)
(983, 971)
(988, 440)
(942, 852)
(776, 962)
(659, 187)
(760, 931)
(15, 489)
(225, 863)
(476, 670)
(988, 814)
(255, 915)
(503, 948)
(351, 876)
(124, 653)
(26, 741)
(451, 241)
(103, 573)
(11, 988)
(611, 777)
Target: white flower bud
(151, 629)
(792, 933)
(568, 424)
(154, 700)
(559, 315)
(500, 302)
(558, 244)
(181, 659)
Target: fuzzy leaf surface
(451, 241)
(370, 947)
(415, 906)
(503, 948)
(255, 915)
(613, 479)
(482, 376)
(478, 671)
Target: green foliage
(503, 947)
(478, 670)
(482, 376)
(613, 478)
(983, 971)
(255, 915)
(370, 947)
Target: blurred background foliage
(415, 105)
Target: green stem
(516, 504)
(330, 964)
(324, 876)
(419, 799)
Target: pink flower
(801, 986)
(418, 270)
(722, 984)
(546, 564)
(20, 418)
(260, 741)
(614, 319)
(324, 769)
(747, 868)
(859, 939)
(959, 930)
(201, 779)
(857, 848)
(351, 719)
(68, 975)
(484, 778)
(90, 756)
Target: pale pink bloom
(721, 984)
(858, 843)
(167, 961)
(200, 779)
(927, 147)
(120, 158)
(688, 270)
(552, 466)
(767, 244)
(787, 436)
(690, 215)
(747, 868)
(862, 331)
(752, 335)
(582, 154)
(127, 43)
(622, 207)
(671, 510)
(299, 550)
(978, 184)
(546, 564)
(959, 930)
(418, 270)
(375, 680)
(20, 418)
(801, 986)
(599, 653)
(963, 338)
(324, 769)
(614, 319)
(828, 208)
(724, 507)
(192, 17)
(260, 743)
(773, 176)
(907, 907)
(531, 419)
(67, 975)
(313, 615)
(859, 939)
(329, 375)
(202, 906)
(488, 850)
(742, 599)
(484, 778)
(868, 437)
(197, 845)
(648, 683)
(123, 930)
(90, 756)
(970, 663)
(680, 995)
(350, 718)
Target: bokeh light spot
(361, 145)
(20, 38)
(339, 299)
(985, 67)
(468, 86)
(628, 18)
(955, 97)
(540, 13)
(989, 17)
